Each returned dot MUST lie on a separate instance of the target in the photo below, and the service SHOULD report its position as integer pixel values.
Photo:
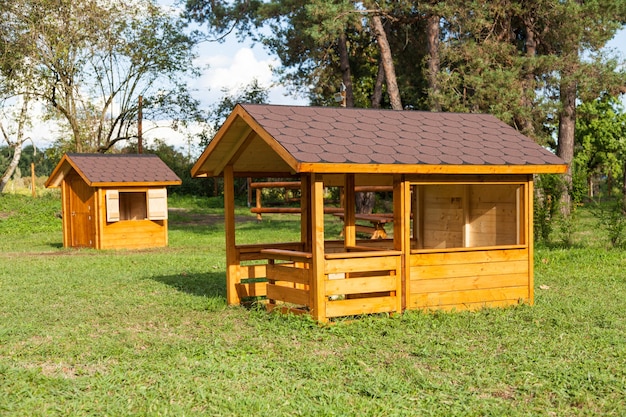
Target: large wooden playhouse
(462, 208)
(113, 201)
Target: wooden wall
(468, 215)
(469, 279)
(128, 234)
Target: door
(81, 211)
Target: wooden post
(528, 208)
(349, 228)
(259, 193)
(33, 179)
(305, 212)
(233, 275)
(402, 236)
(467, 229)
(318, 298)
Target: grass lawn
(136, 333)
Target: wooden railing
(363, 282)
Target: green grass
(138, 333)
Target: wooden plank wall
(469, 279)
(129, 234)
(493, 215)
(457, 215)
(363, 285)
(443, 217)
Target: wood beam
(317, 292)
(233, 276)
(349, 220)
(402, 236)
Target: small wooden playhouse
(113, 201)
(462, 208)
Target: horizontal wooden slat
(287, 294)
(289, 273)
(467, 283)
(287, 255)
(468, 270)
(351, 307)
(252, 271)
(361, 285)
(385, 263)
(252, 289)
(468, 256)
(437, 299)
(363, 254)
(276, 184)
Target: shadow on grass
(210, 284)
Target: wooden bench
(378, 221)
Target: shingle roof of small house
(114, 170)
(323, 139)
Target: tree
(14, 137)
(251, 93)
(90, 61)
(600, 142)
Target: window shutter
(113, 205)
(157, 204)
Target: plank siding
(134, 234)
(468, 279)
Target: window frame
(155, 204)
(522, 221)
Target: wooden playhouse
(462, 208)
(113, 201)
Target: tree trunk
(17, 145)
(565, 146)
(528, 82)
(365, 202)
(432, 39)
(387, 60)
(377, 96)
(17, 154)
(346, 76)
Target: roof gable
(330, 139)
(99, 170)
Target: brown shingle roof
(119, 170)
(270, 139)
(368, 136)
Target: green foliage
(100, 57)
(548, 192)
(148, 332)
(251, 93)
(600, 139)
(43, 163)
(611, 217)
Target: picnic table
(377, 220)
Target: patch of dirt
(197, 219)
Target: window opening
(467, 215)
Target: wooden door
(81, 211)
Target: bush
(611, 218)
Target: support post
(528, 215)
(402, 236)
(318, 298)
(233, 275)
(349, 220)
(305, 212)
